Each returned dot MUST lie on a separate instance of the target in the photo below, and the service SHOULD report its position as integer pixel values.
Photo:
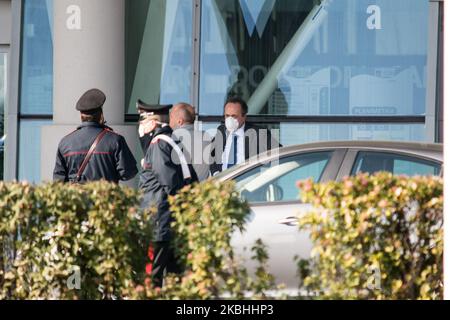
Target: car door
(398, 163)
(274, 200)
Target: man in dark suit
(236, 141)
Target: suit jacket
(257, 140)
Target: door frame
(12, 100)
(4, 49)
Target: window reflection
(355, 57)
(37, 58)
(159, 51)
(273, 183)
(30, 150)
(371, 162)
(298, 133)
(292, 133)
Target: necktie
(232, 156)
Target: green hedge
(51, 234)
(375, 237)
(206, 215)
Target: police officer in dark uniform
(93, 151)
(165, 172)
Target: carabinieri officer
(165, 172)
(93, 151)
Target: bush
(206, 216)
(52, 233)
(375, 237)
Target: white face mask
(141, 131)
(231, 124)
(145, 128)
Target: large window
(36, 87)
(159, 51)
(350, 69)
(291, 133)
(30, 149)
(296, 133)
(37, 58)
(352, 57)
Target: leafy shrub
(375, 237)
(206, 216)
(53, 232)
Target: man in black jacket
(165, 172)
(236, 141)
(111, 160)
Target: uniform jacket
(112, 160)
(160, 178)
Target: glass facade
(291, 60)
(30, 149)
(296, 133)
(36, 93)
(291, 133)
(36, 87)
(3, 65)
(158, 51)
(353, 57)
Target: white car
(268, 183)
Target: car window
(276, 182)
(397, 164)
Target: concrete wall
(89, 49)
(89, 57)
(5, 22)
